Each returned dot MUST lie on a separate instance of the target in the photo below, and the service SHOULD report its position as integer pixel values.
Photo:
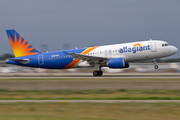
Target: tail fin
(19, 45)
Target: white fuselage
(142, 50)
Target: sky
(83, 23)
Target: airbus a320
(115, 56)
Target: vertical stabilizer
(19, 45)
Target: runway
(89, 101)
(89, 75)
(85, 81)
(86, 77)
(90, 84)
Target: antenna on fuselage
(75, 47)
(150, 39)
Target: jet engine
(117, 63)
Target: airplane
(115, 56)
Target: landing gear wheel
(95, 73)
(100, 73)
(156, 66)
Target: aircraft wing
(90, 59)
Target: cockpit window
(164, 45)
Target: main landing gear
(155, 66)
(97, 73)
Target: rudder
(19, 45)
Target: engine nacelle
(117, 63)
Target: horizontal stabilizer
(20, 60)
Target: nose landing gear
(155, 65)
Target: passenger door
(40, 60)
(153, 47)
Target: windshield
(166, 44)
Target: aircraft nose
(175, 50)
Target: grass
(89, 111)
(101, 94)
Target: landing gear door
(153, 47)
(40, 60)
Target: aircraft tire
(95, 73)
(156, 67)
(100, 73)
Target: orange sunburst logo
(20, 48)
(137, 44)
